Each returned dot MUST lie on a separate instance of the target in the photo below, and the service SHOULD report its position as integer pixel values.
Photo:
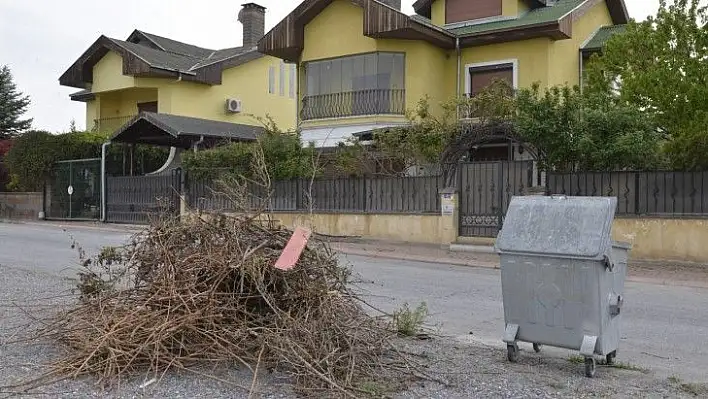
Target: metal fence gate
(73, 190)
(139, 199)
(485, 189)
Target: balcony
(354, 103)
(110, 125)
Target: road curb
(128, 228)
(481, 265)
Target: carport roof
(180, 131)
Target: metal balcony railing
(354, 103)
(110, 125)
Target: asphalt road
(664, 328)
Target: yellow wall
(248, 82)
(565, 68)
(429, 229)
(533, 59)
(513, 8)
(108, 74)
(437, 12)
(426, 65)
(652, 239)
(123, 103)
(337, 31)
(664, 239)
(92, 112)
(119, 94)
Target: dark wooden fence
(640, 193)
(138, 199)
(356, 195)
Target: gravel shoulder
(470, 370)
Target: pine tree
(13, 104)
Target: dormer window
(466, 10)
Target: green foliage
(659, 66)
(13, 105)
(283, 154)
(33, 153)
(409, 322)
(572, 130)
(580, 131)
(30, 159)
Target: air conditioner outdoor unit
(233, 105)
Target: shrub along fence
(655, 193)
(416, 195)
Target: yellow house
(152, 89)
(363, 63)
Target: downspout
(196, 145)
(459, 66)
(580, 72)
(104, 150)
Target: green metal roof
(597, 42)
(536, 16)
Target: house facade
(148, 73)
(363, 63)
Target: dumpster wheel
(590, 367)
(610, 358)
(537, 348)
(512, 352)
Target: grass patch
(409, 322)
(688, 387)
(577, 359)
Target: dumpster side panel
(554, 301)
(612, 288)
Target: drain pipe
(104, 150)
(196, 145)
(459, 65)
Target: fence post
(449, 216)
(636, 194)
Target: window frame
(490, 66)
(306, 66)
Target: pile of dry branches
(205, 290)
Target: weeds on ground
(688, 387)
(577, 359)
(409, 322)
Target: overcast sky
(40, 39)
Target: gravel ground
(470, 370)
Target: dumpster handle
(609, 265)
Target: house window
(282, 79)
(148, 107)
(480, 76)
(271, 80)
(365, 84)
(293, 80)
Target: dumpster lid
(558, 226)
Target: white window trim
(515, 67)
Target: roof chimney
(392, 3)
(252, 16)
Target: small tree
(13, 105)
(660, 67)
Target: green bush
(283, 154)
(33, 154)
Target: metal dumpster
(562, 275)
